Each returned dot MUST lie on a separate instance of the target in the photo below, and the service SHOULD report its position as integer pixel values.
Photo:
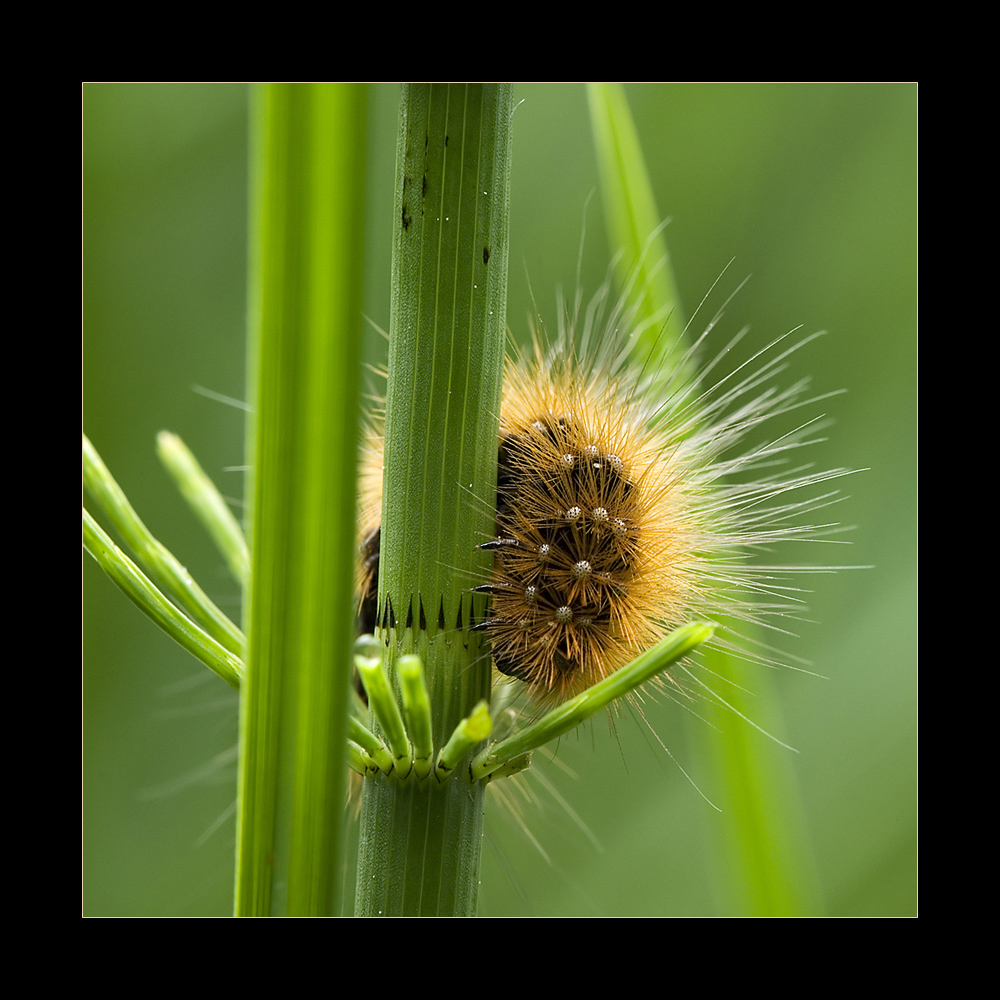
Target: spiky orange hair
(592, 547)
(624, 503)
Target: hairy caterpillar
(627, 500)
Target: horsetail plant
(419, 738)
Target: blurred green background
(811, 188)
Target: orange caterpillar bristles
(626, 501)
(592, 545)
(369, 525)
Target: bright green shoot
(571, 713)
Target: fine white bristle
(635, 497)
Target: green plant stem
(765, 838)
(420, 840)
(633, 224)
(308, 145)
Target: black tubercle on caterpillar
(629, 499)
(566, 538)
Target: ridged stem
(308, 146)
(420, 838)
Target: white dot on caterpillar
(530, 594)
(573, 514)
(581, 569)
(543, 551)
(618, 526)
(568, 461)
(564, 615)
(599, 514)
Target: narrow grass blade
(634, 226)
(767, 847)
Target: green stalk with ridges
(420, 840)
(306, 253)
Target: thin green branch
(147, 598)
(571, 713)
(207, 503)
(383, 706)
(161, 565)
(370, 744)
(468, 734)
(417, 710)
